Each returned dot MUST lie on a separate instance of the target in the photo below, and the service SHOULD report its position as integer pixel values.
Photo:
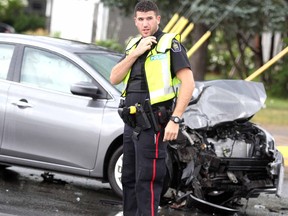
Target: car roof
(66, 44)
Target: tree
(13, 13)
(240, 25)
(236, 27)
(243, 27)
(9, 9)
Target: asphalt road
(24, 193)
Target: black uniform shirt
(137, 90)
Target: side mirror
(85, 89)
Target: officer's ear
(135, 20)
(158, 17)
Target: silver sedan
(58, 110)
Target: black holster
(138, 118)
(142, 120)
(124, 113)
(158, 116)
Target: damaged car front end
(221, 156)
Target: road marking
(284, 151)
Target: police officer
(154, 67)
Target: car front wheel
(115, 171)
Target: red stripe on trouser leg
(154, 174)
(157, 145)
(152, 187)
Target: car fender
(112, 128)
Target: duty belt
(143, 116)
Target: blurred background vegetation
(233, 51)
(14, 13)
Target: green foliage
(236, 25)
(29, 22)
(9, 10)
(13, 12)
(111, 44)
(232, 15)
(277, 75)
(220, 60)
(278, 86)
(253, 16)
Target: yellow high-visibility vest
(161, 86)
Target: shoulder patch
(176, 47)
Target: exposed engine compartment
(224, 164)
(220, 156)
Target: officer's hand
(145, 44)
(171, 131)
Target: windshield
(102, 63)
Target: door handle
(23, 103)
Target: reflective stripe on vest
(157, 69)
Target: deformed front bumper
(277, 170)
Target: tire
(115, 171)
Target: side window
(50, 71)
(6, 52)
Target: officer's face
(147, 22)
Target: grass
(275, 113)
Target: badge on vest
(158, 57)
(176, 47)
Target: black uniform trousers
(143, 172)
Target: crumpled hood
(218, 101)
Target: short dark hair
(145, 6)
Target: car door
(6, 53)
(46, 126)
